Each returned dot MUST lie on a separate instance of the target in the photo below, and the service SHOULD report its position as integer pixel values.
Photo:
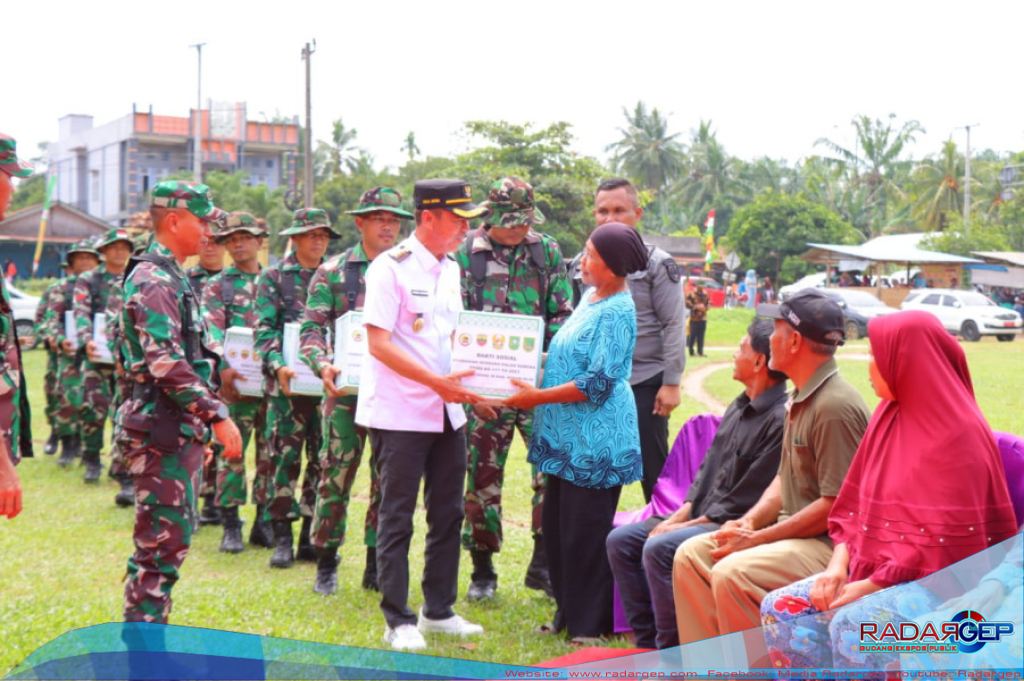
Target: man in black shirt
(741, 462)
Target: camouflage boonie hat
(511, 202)
(84, 246)
(309, 219)
(193, 197)
(381, 198)
(114, 236)
(9, 161)
(239, 221)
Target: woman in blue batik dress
(585, 436)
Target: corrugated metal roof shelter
(20, 231)
(895, 248)
(1002, 268)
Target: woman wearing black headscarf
(585, 431)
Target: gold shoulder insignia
(399, 253)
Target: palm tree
(874, 162)
(936, 182)
(712, 175)
(410, 146)
(330, 157)
(647, 151)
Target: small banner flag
(42, 222)
(710, 240)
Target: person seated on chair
(741, 462)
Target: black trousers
(653, 432)
(576, 522)
(403, 459)
(697, 330)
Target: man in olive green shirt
(719, 579)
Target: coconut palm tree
(712, 176)
(330, 157)
(936, 185)
(647, 151)
(410, 146)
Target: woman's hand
(827, 588)
(527, 397)
(855, 591)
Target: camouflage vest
(350, 291)
(478, 270)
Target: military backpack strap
(536, 250)
(227, 296)
(69, 293)
(351, 280)
(191, 341)
(477, 270)
(95, 284)
(196, 281)
(288, 295)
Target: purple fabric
(1012, 449)
(669, 492)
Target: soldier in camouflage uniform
(50, 385)
(291, 420)
(15, 421)
(507, 267)
(229, 300)
(162, 428)
(93, 290)
(337, 288)
(82, 257)
(211, 262)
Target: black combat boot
(93, 467)
(68, 452)
(485, 579)
(537, 573)
(283, 556)
(210, 515)
(326, 571)
(232, 540)
(260, 534)
(306, 551)
(370, 572)
(50, 448)
(126, 497)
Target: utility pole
(307, 52)
(967, 182)
(197, 151)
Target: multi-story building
(107, 171)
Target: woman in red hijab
(925, 490)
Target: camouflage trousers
(250, 415)
(51, 388)
(340, 454)
(122, 391)
(164, 506)
(291, 423)
(70, 379)
(489, 443)
(97, 394)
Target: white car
(967, 313)
(816, 280)
(24, 307)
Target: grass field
(63, 558)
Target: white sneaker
(404, 637)
(453, 625)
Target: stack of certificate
(99, 335)
(498, 348)
(349, 349)
(240, 353)
(305, 382)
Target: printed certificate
(99, 336)
(349, 349)
(305, 382)
(70, 331)
(240, 354)
(498, 347)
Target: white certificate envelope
(70, 332)
(305, 382)
(99, 335)
(240, 354)
(349, 349)
(498, 347)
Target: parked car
(858, 307)
(715, 290)
(23, 307)
(816, 280)
(967, 313)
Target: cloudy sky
(772, 76)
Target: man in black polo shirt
(741, 462)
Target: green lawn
(63, 558)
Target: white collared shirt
(398, 293)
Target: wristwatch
(221, 414)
